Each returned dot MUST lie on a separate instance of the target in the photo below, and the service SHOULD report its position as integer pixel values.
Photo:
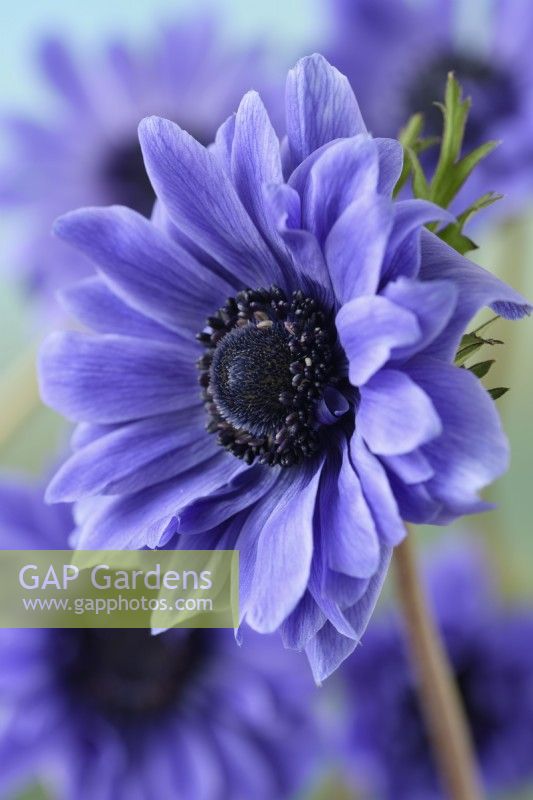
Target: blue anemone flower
(113, 714)
(272, 365)
(397, 54)
(87, 152)
(489, 646)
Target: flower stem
(440, 701)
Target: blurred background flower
(29, 433)
(413, 45)
(387, 750)
(87, 152)
(123, 714)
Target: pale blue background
(289, 24)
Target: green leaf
(472, 342)
(420, 185)
(453, 233)
(453, 167)
(482, 368)
(411, 139)
(497, 393)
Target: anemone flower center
(483, 716)
(492, 88)
(269, 369)
(129, 675)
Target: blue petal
(150, 517)
(347, 169)
(477, 288)
(284, 552)
(377, 492)
(348, 532)
(356, 246)
(320, 107)
(93, 304)
(433, 303)
(390, 164)
(157, 447)
(472, 450)
(403, 249)
(395, 415)
(370, 329)
(203, 203)
(108, 379)
(328, 649)
(256, 162)
(144, 268)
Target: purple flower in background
(87, 152)
(122, 714)
(321, 321)
(397, 54)
(489, 646)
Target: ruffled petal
(93, 304)
(472, 450)
(477, 288)
(157, 448)
(256, 162)
(147, 270)
(347, 169)
(370, 330)
(402, 257)
(149, 518)
(377, 492)
(244, 491)
(432, 302)
(356, 245)
(328, 649)
(108, 379)
(390, 164)
(320, 106)
(395, 415)
(203, 202)
(284, 551)
(348, 533)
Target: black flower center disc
(129, 675)
(249, 372)
(268, 361)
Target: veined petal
(356, 245)
(347, 528)
(320, 107)
(256, 162)
(347, 169)
(432, 302)
(93, 304)
(477, 288)
(403, 249)
(157, 448)
(390, 164)
(472, 450)
(370, 329)
(328, 649)
(284, 553)
(377, 491)
(395, 415)
(145, 268)
(149, 518)
(203, 202)
(108, 379)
